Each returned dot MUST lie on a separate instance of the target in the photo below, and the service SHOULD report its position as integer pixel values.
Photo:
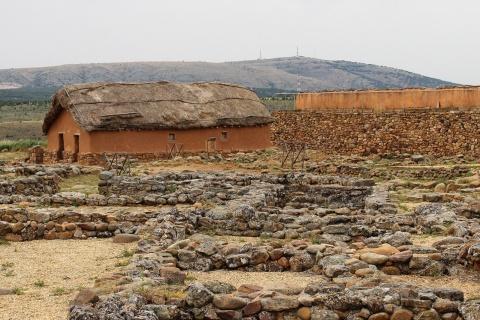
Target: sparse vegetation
(128, 253)
(58, 291)
(39, 283)
(122, 263)
(18, 291)
(84, 183)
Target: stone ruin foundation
(343, 231)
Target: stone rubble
(345, 231)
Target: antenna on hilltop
(260, 55)
(297, 52)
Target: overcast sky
(436, 38)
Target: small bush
(18, 291)
(4, 243)
(39, 283)
(128, 253)
(58, 291)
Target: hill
(266, 76)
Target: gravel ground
(237, 278)
(64, 267)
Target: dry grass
(18, 130)
(84, 183)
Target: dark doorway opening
(76, 147)
(61, 146)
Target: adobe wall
(194, 140)
(147, 145)
(466, 97)
(429, 132)
(66, 125)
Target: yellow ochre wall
(455, 97)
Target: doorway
(76, 147)
(61, 146)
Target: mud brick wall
(417, 132)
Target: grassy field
(23, 112)
(23, 121)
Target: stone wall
(34, 185)
(426, 132)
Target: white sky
(436, 38)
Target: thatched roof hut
(157, 105)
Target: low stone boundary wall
(390, 171)
(190, 187)
(415, 132)
(35, 185)
(317, 301)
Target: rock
(397, 239)
(440, 188)
(301, 261)
(17, 227)
(219, 287)
(279, 303)
(379, 316)
(401, 257)
(336, 271)
(384, 249)
(427, 315)
(87, 226)
(82, 313)
(286, 289)
(252, 307)
(453, 187)
(198, 295)
(444, 306)
(5, 227)
(249, 288)
(106, 175)
(320, 314)
(85, 297)
(125, 238)
(13, 237)
(335, 259)
(173, 275)
(445, 242)
(402, 314)
(364, 272)
(186, 256)
(373, 258)
(207, 247)
(304, 313)
(229, 314)
(227, 302)
(470, 310)
(236, 260)
(391, 270)
(162, 312)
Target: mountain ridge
(279, 74)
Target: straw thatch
(157, 105)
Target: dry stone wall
(416, 132)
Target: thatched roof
(157, 105)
